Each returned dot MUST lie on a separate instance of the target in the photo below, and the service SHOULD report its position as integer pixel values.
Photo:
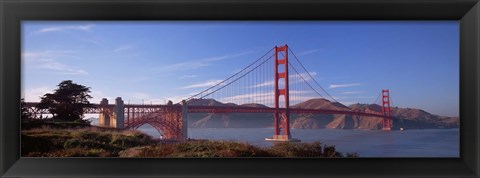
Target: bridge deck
(220, 109)
(231, 109)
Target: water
(408, 143)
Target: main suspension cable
(230, 76)
(295, 56)
(236, 78)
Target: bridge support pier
(105, 114)
(112, 117)
(119, 112)
(184, 120)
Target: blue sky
(155, 61)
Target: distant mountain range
(407, 118)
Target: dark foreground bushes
(92, 142)
(28, 124)
(197, 149)
(101, 142)
(233, 149)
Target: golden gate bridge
(271, 84)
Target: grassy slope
(88, 141)
(101, 142)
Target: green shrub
(53, 124)
(164, 150)
(85, 134)
(130, 140)
(197, 149)
(87, 144)
(352, 155)
(292, 149)
(330, 152)
(45, 141)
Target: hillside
(236, 120)
(408, 118)
(412, 118)
(311, 121)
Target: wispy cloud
(48, 60)
(201, 63)
(47, 54)
(208, 83)
(61, 68)
(34, 94)
(267, 83)
(307, 52)
(87, 27)
(352, 92)
(122, 48)
(187, 76)
(344, 85)
(185, 66)
(218, 58)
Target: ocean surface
(367, 143)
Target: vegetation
(25, 115)
(67, 102)
(104, 142)
(50, 123)
(89, 141)
(233, 149)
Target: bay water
(367, 143)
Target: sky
(156, 61)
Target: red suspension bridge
(274, 83)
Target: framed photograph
(239, 88)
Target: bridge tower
(386, 110)
(281, 115)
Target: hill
(409, 118)
(235, 120)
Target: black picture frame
(14, 11)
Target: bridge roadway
(141, 108)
